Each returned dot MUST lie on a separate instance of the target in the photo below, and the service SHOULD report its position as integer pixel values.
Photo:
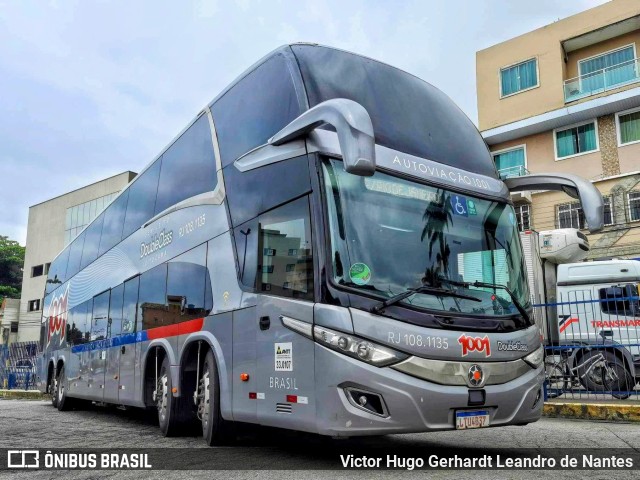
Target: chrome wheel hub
(162, 396)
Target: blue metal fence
(592, 343)
(18, 365)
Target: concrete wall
(45, 239)
(545, 45)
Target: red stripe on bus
(189, 326)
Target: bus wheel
(167, 405)
(215, 430)
(64, 402)
(53, 390)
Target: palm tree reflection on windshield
(437, 217)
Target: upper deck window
(408, 114)
(188, 166)
(515, 78)
(255, 109)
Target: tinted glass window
(252, 192)
(247, 250)
(620, 300)
(280, 242)
(188, 166)
(187, 285)
(255, 109)
(100, 318)
(407, 113)
(75, 255)
(92, 242)
(57, 270)
(130, 305)
(152, 307)
(115, 311)
(77, 324)
(142, 199)
(113, 223)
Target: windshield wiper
(514, 299)
(440, 292)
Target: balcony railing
(517, 171)
(602, 80)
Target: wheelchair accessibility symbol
(459, 205)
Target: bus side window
(99, 319)
(130, 305)
(279, 252)
(78, 332)
(152, 309)
(114, 324)
(188, 166)
(142, 199)
(186, 286)
(620, 300)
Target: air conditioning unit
(564, 245)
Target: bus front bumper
(412, 404)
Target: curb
(593, 411)
(23, 394)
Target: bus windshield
(389, 234)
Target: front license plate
(472, 419)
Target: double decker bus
(327, 247)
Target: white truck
(588, 312)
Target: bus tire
(215, 430)
(167, 405)
(64, 403)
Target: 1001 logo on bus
(57, 315)
(474, 344)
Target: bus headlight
(357, 347)
(535, 359)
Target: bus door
(285, 366)
(98, 340)
(128, 345)
(114, 329)
(285, 363)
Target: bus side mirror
(572, 185)
(353, 126)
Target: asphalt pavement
(27, 424)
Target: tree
(11, 262)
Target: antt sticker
(283, 357)
(474, 344)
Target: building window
(628, 127)
(47, 266)
(269, 252)
(576, 140)
(37, 271)
(519, 77)
(267, 269)
(570, 215)
(79, 216)
(634, 206)
(293, 252)
(608, 211)
(33, 305)
(510, 163)
(608, 69)
(523, 215)
(14, 327)
(291, 267)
